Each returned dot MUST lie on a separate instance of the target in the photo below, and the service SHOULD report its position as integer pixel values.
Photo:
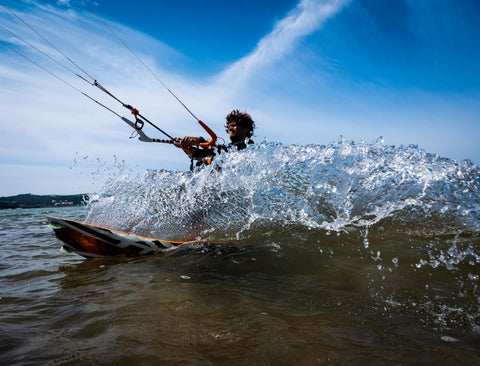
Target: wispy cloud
(307, 17)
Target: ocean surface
(352, 253)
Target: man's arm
(187, 144)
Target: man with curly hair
(239, 126)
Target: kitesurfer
(239, 126)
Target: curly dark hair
(243, 119)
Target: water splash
(404, 221)
(341, 187)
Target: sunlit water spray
(340, 187)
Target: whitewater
(342, 187)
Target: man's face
(236, 132)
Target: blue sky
(308, 72)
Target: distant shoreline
(37, 201)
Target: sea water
(349, 253)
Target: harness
(200, 157)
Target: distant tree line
(35, 201)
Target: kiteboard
(92, 241)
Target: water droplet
(448, 339)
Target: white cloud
(307, 17)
